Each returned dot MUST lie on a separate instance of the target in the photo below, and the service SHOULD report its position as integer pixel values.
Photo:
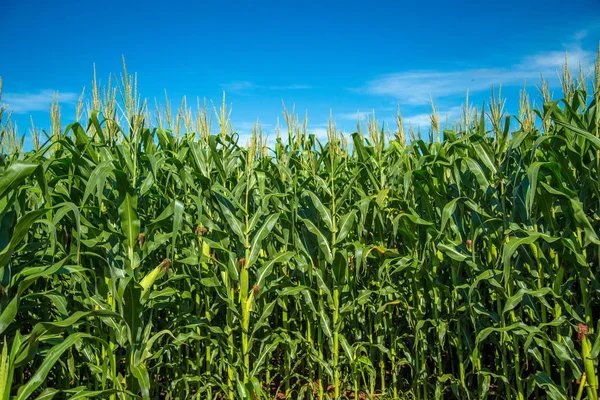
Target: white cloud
(247, 126)
(244, 130)
(23, 103)
(418, 120)
(320, 133)
(580, 35)
(354, 116)
(238, 86)
(242, 86)
(288, 87)
(417, 87)
(424, 120)
(552, 61)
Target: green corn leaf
(321, 239)
(324, 213)
(12, 177)
(234, 223)
(259, 236)
(345, 226)
(20, 230)
(51, 358)
(128, 214)
(263, 272)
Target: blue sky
(316, 55)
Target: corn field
(142, 256)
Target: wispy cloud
(249, 125)
(580, 35)
(354, 116)
(23, 103)
(246, 127)
(289, 87)
(319, 132)
(245, 86)
(424, 120)
(417, 87)
(244, 130)
(238, 86)
(552, 61)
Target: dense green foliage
(151, 261)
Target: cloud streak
(238, 86)
(245, 86)
(23, 103)
(417, 87)
(424, 120)
(354, 116)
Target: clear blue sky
(318, 55)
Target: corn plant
(159, 255)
